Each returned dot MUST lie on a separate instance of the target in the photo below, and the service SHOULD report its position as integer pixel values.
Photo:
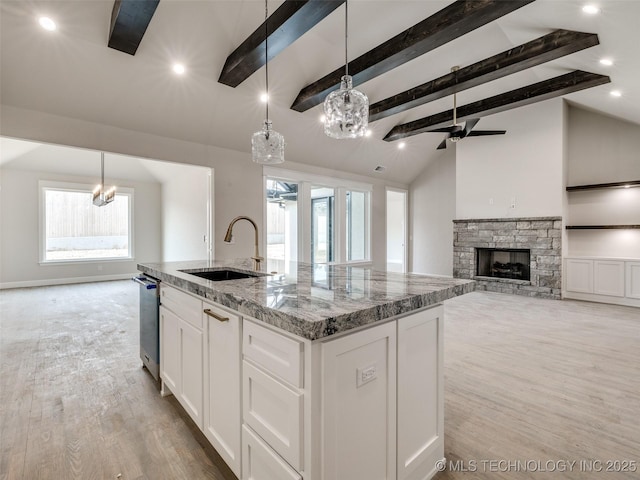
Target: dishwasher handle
(146, 282)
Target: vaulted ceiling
(507, 60)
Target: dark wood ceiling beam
(288, 23)
(536, 52)
(453, 21)
(129, 22)
(537, 92)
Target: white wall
(19, 224)
(432, 210)
(238, 181)
(526, 164)
(603, 149)
(184, 215)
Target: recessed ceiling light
(264, 97)
(590, 9)
(627, 186)
(615, 93)
(47, 23)
(368, 133)
(178, 68)
(401, 145)
(606, 62)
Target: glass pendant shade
(346, 111)
(267, 146)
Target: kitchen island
(314, 372)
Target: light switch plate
(366, 374)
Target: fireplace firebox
(503, 263)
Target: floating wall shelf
(633, 183)
(600, 227)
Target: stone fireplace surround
(541, 235)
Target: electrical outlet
(513, 202)
(491, 201)
(366, 375)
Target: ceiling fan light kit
(267, 145)
(346, 110)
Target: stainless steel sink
(222, 274)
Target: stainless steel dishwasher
(149, 323)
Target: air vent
(379, 169)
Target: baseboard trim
(64, 281)
(592, 297)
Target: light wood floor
(531, 382)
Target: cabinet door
(420, 394)
(222, 421)
(170, 350)
(359, 405)
(579, 275)
(608, 278)
(633, 279)
(191, 349)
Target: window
(316, 219)
(322, 225)
(282, 222)
(73, 229)
(357, 225)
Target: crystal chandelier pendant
(346, 111)
(267, 146)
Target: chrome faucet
(229, 237)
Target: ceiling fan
(457, 132)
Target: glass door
(322, 224)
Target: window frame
(43, 186)
(341, 186)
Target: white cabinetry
(579, 275)
(222, 416)
(420, 393)
(359, 405)
(606, 280)
(273, 398)
(362, 405)
(181, 351)
(633, 280)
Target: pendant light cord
(346, 36)
(266, 52)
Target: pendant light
(346, 111)
(100, 196)
(267, 145)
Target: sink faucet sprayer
(229, 237)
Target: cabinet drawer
(182, 304)
(259, 462)
(276, 353)
(216, 312)
(274, 411)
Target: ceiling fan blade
(482, 133)
(450, 129)
(468, 126)
(442, 145)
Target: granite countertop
(312, 301)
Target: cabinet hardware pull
(215, 315)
